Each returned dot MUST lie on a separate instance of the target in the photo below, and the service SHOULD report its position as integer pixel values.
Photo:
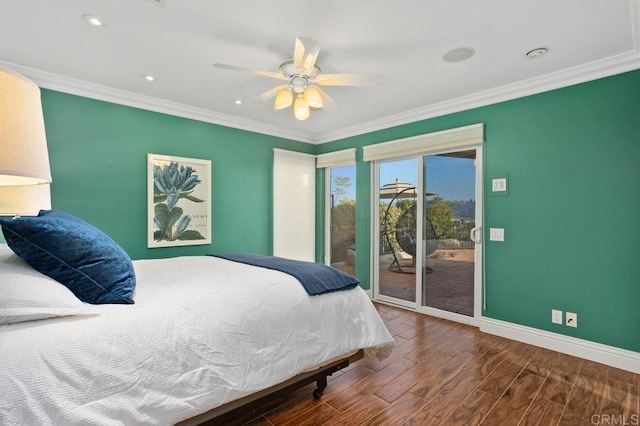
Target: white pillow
(27, 295)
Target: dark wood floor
(444, 373)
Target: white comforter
(203, 331)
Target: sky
(449, 177)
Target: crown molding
(82, 88)
(598, 69)
(613, 65)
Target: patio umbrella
(398, 189)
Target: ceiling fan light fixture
(312, 97)
(284, 99)
(304, 81)
(301, 108)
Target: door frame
(479, 249)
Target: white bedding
(203, 331)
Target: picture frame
(178, 201)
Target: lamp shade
(284, 99)
(24, 200)
(24, 159)
(300, 108)
(313, 98)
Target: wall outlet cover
(556, 316)
(499, 185)
(572, 319)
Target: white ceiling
(403, 40)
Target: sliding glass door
(427, 209)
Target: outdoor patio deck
(449, 286)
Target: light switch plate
(500, 185)
(496, 234)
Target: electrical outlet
(572, 319)
(556, 316)
(499, 185)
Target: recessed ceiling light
(94, 21)
(148, 77)
(459, 55)
(536, 53)
(238, 101)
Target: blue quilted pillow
(80, 256)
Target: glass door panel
(342, 227)
(449, 216)
(396, 263)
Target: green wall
(571, 219)
(98, 155)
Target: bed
(204, 335)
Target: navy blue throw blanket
(316, 278)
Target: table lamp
(24, 160)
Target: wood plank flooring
(444, 373)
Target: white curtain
(294, 205)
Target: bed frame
(231, 410)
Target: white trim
(394, 301)
(368, 292)
(86, 89)
(419, 259)
(374, 231)
(479, 267)
(451, 139)
(579, 74)
(449, 316)
(327, 216)
(605, 354)
(345, 157)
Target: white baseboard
(609, 355)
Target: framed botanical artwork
(178, 200)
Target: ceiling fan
(303, 76)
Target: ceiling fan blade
(251, 70)
(305, 55)
(328, 103)
(270, 93)
(347, 79)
